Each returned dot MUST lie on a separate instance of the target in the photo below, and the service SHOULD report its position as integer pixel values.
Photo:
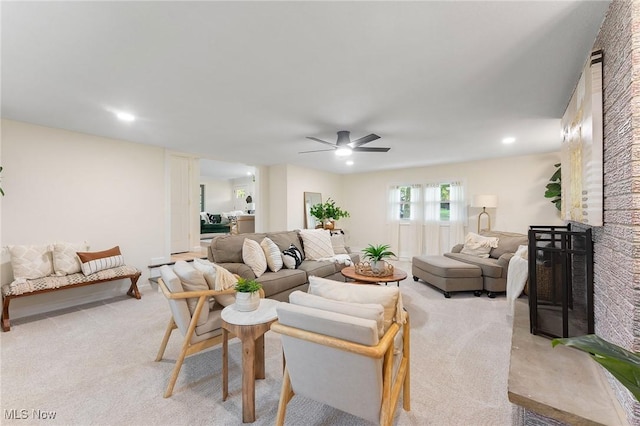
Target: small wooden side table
(250, 328)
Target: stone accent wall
(617, 243)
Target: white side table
(250, 328)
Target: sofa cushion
(65, 259)
(283, 280)
(192, 280)
(372, 311)
(292, 257)
(253, 255)
(228, 248)
(284, 239)
(316, 243)
(478, 245)
(31, 261)
(272, 253)
(389, 297)
(338, 244)
(489, 266)
(318, 268)
(508, 242)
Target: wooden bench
(54, 283)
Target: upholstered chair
(351, 356)
(201, 329)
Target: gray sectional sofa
(226, 250)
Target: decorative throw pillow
(372, 311)
(292, 257)
(317, 243)
(65, 260)
(338, 244)
(192, 280)
(254, 257)
(478, 245)
(389, 297)
(213, 273)
(30, 262)
(205, 217)
(272, 253)
(92, 262)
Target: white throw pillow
(272, 254)
(192, 280)
(30, 262)
(372, 311)
(389, 297)
(65, 260)
(317, 244)
(254, 257)
(478, 245)
(210, 271)
(338, 244)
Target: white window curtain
(412, 224)
(458, 213)
(431, 219)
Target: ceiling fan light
(343, 151)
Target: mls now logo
(23, 414)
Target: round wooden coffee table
(398, 275)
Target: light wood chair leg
(406, 350)
(286, 393)
(165, 339)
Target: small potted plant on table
(248, 295)
(376, 255)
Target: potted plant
(376, 256)
(248, 295)
(326, 213)
(554, 187)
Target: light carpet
(94, 365)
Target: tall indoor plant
(554, 187)
(327, 212)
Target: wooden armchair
(341, 360)
(196, 337)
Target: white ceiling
(245, 82)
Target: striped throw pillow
(92, 262)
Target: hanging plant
(554, 187)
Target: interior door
(180, 208)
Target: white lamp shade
(488, 201)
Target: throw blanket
(224, 278)
(518, 275)
(338, 258)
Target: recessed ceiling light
(125, 116)
(508, 140)
(349, 163)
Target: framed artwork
(582, 148)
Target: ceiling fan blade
(318, 150)
(320, 140)
(371, 149)
(365, 139)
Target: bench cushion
(19, 287)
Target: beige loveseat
(496, 267)
(226, 250)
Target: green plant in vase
(376, 255)
(327, 212)
(248, 295)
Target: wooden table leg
(259, 358)
(248, 380)
(225, 364)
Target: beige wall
(519, 183)
(67, 186)
(217, 195)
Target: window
(445, 204)
(404, 202)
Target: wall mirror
(310, 199)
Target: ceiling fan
(345, 146)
